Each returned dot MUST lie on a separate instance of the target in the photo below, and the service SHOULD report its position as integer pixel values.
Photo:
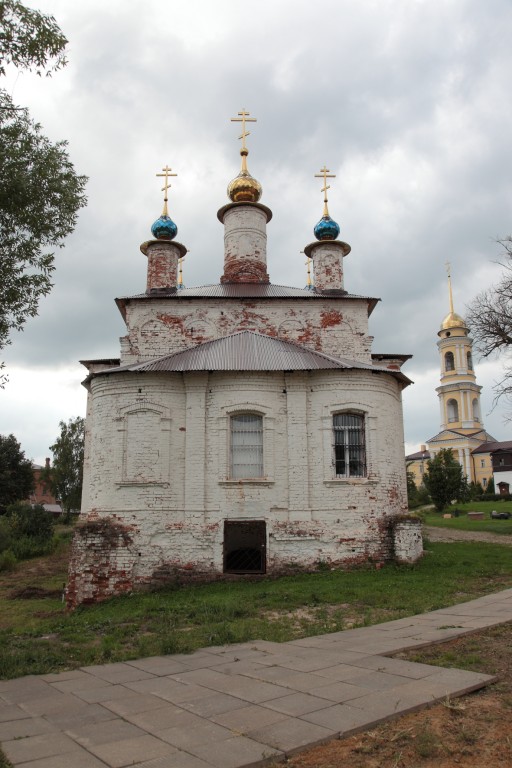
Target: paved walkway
(453, 534)
(236, 706)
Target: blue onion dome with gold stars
(326, 229)
(164, 228)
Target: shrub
(7, 560)
(34, 522)
(25, 547)
(5, 534)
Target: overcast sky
(406, 101)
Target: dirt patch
(469, 732)
(449, 534)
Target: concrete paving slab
(35, 747)
(186, 739)
(104, 733)
(20, 729)
(237, 751)
(177, 760)
(91, 713)
(297, 704)
(10, 712)
(216, 704)
(76, 759)
(117, 673)
(236, 706)
(292, 735)
(126, 752)
(170, 716)
(248, 718)
(133, 704)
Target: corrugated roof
(493, 446)
(249, 351)
(244, 291)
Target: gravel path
(448, 534)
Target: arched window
(349, 445)
(449, 362)
(476, 410)
(246, 445)
(470, 361)
(453, 410)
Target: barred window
(246, 446)
(349, 445)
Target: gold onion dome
(453, 320)
(244, 188)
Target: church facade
(462, 429)
(246, 428)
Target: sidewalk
(236, 706)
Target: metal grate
(349, 445)
(246, 446)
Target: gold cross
(244, 118)
(325, 174)
(308, 264)
(166, 173)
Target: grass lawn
(463, 523)
(37, 635)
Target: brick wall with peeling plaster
(162, 328)
(171, 486)
(157, 487)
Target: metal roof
(493, 446)
(243, 291)
(249, 351)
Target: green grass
(463, 523)
(39, 636)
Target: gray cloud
(407, 102)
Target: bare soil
(472, 730)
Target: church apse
(247, 429)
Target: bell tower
(459, 394)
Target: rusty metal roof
(249, 351)
(243, 291)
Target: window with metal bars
(349, 445)
(246, 446)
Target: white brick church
(247, 428)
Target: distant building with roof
(41, 493)
(462, 428)
(246, 428)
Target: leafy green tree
(29, 39)
(64, 477)
(40, 193)
(444, 479)
(489, 488)
(16, 476)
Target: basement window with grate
(246, 446)
(349, 445)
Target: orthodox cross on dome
(166, 174)
(243, 118)
(325, 174)
(309, 282)
(448, 272)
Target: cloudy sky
(407, 101)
